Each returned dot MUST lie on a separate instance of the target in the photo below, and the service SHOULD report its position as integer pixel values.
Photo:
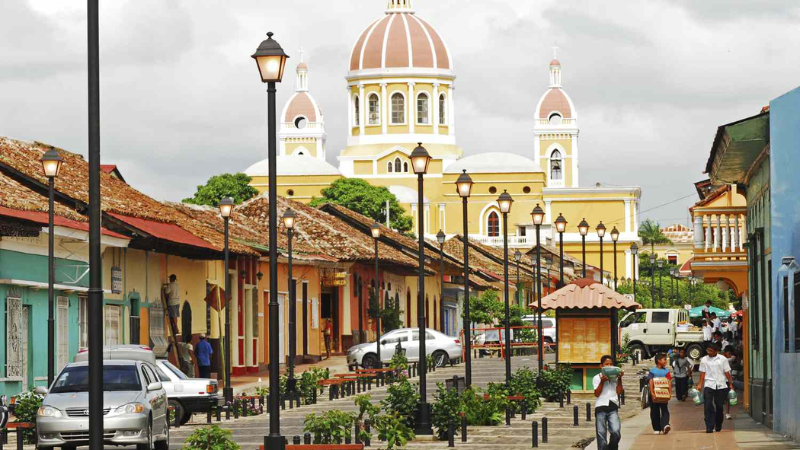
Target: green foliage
(624, 353)
(236, 186)
(523, 382)
(360, 196)
(366, 413)
(486, 308)
(394, 430)
(687, 293)
(651, 234)
(389, 313)
(429, 361)
(262, 391)
(308, 383)
(211, 438)
(25, 410)
(446, 408)
(483, 412)
(330, 427)
(402, 399)
(555, 382)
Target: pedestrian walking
(715, 380)
(718, 339)
(606, 407)
(204, 352)
(708, 333)
(716, 323)
(327, 332)
(682, 370)
(660, 381)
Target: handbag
(661, 392)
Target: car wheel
(440, 358)
(548, 340)
(695, 352)
(180, 412)
(149, 445)
(68, 447)
(639, 351)
(163, 445)
(369, 361)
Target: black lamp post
(375, 229)
(225, 209)
(289, 217)
(51, 164)
(420, 159)
(271, 61)
(517, 258)
(677, 286)
(505, 201)
(538, 216)
(583, 228)
(660, 265)
(440, 238)
(614, 239)
(652, 280)
(634, 260)
(601, 233)
(561, 226)
(464, 188)
(672, 285)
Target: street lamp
(583, 228)
(440, 238)
(289, 218)
(614, 239)
(225, 209)
(634, 258)
(561, 226)
(652, 280)
(601, 233)
(271, 61)
(420, 159)
(672, 284)
(464, 188)
(375, 229)
(51, 164)
(505, 201)
(517, 258)
(660, 264)
(538, 216)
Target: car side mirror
(40, 390)
(155, 386)
(383, 342)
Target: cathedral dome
(400, 40)
(555, 100)
(301, 105)
(293, 165)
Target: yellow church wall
(383, 163)
(423, 129)
(376, 149)
(398, 129)
(444, 129)
(362, 167)
(612, 213)
(309, 148)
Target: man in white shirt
(715, 381)
(606, 407)
(715, 322)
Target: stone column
(385, 109)
(361, 113)
(412, 102)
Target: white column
(537, 149)
(636, 217)
(725, 230)
(320, 153)
(435, 101)
(628, 215)
(443, 217)
(451, 113)
(575, 182)
(412, 107)
(548, 214)
(718, 237)
(361, 113)
(698, 230)
(709, 232)
(349, 111)
(735, 236)
(385, 105)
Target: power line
(659, 206)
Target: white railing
(564, 122)
(309, 126)
(497, 241)
(720, 230)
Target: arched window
(374, 109)
(405, 167)
(422, 109)
(389, 167)
(555, 119)
(555, 165)
(356, 111)
(398, 108)
(493, 225)
(442, 110)
(397, 164)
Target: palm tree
(651, 234)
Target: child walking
(606, 407)
(715, 380)
(682, 369)
(659, 410)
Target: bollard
(358, 385)
(283, 403)
(291, 401)
(524, 409)
(347, 438)
(369, 434)
(535, 434)
(219, 413)
(208, 416)
(296, 440)
(20, 439)
(369, 384)
(177, 421)
(544, 430)
(451, 434)
(307, 439)
(228, 411)
(236, 409)
(261, 401)
(508, 416)
(588, 412)
(314, 397)
(569, 396)
(561, 401)
(358, 432)
(464, 428)
(575, 416)
(243, 404)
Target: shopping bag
(733, 399)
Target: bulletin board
(583, 339)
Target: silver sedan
(442, 347)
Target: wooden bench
(355, 375)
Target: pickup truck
(657, 330)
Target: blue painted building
(785, 240)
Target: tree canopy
(360, 196)
(651, 234)
(236, 186)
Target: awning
(42, 218)
(167, 231)
(586, 293)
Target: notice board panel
(583, 339)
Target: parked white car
(441, 346)
(187, 395)
(548, 324)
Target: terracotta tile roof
(486, 266)
(328, 235)
(586, 293)
(14, 195)
(117, 196)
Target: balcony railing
(513, 241)
(719, 235)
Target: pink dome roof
(301, 105)
(400, 40)
(555, 100)
(555, 62)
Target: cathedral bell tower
(302, 129)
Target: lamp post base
(227, 394)
(424, 427)
(274, 442)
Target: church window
(493, 225)
(555, 165)
(405, 167)
(555, 119)
(397, 164)
(442, 110)
(398, 108)
(357, 111)
(374, 109)
(422, 109)
(300, 122)
(492, 190)
(389, 167)
(526, 190)
(290, 193)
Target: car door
(661, 327)
(412, 352)
(635, 326)
(157, 399)
(389, 343)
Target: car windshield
(115, 378)
(177, 372)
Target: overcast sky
(181, 99)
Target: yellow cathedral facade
(401, 91)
